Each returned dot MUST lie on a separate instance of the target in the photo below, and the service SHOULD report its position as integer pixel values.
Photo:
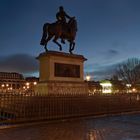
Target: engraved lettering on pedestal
(67, 70)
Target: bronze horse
(57, 30)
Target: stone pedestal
(61, 73)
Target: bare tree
(129, 71)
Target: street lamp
(134, 90)
(88, 78)
(128, 87)
(2, 85)
(27, 84)
(35, 83)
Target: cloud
(22, 63)
(103, 71)
(112, 53)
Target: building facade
(10, 81)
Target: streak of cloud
(22, 63)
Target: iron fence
(32, 106)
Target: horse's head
(73, 24)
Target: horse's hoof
(60, 49)
(70, 52)
(46, 50)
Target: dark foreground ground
(124, 127)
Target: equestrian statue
(60, 29)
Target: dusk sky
(108, 33)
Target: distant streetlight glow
(128, 88)
(88, 78)
(27, 84)
(35, 83)
(2, 85)
(134, 90)
(128, 85)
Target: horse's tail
(44, 36)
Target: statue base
(62, 88)
(61, 73)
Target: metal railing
(32, 106)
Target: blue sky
(108, 33)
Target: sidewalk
(125, 127)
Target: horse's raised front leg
(42, 42)
(55, 41)
(71, 48)
(44, 35)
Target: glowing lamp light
(27, 84)
(134, 90)
(35, 83)
(128, 88)
(128, 85)
(88, 78)
(2, 85)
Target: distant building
(106, 86)
(32, 79)
(31, 82)
(11, 81)
(94, 87)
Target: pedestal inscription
(67, 70)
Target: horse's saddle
(64, 26)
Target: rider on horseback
(60, 29)
(61, 19)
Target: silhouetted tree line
(128, 71)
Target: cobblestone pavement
(126, 127)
